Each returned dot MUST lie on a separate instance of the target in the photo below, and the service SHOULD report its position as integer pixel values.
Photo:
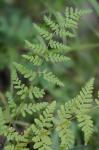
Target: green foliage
(49, 76)
(32, 108)
(46, 117)
(41, 128)
(15, 24)
(66, 134)
(78, 106)
(24, 91)
(13, 30)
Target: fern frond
(41, 128)
(36, 48)
(86, 124)
(83, 101)
(54, 27)
(32, 108)
(83, 104)
(12, 135)
(36, 60)
(44, 33)
(66, 134)
(10, 147)
(27, 73)
(19, 146)
(72, 17)
(60, 19)
(76, 13)
(50, 77)
(80, 106)
(54, 57)
(58, 30)
(11, 104)
(38, 93)
(9, 132)
(23, 91)
(63, 33)
(64, 127)
(58, 45)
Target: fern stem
(3, 100)
(22, 123)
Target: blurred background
(16, 25)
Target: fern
(51, 24)
(32, 108)
(41, 128)
(55, 58)
(22, 89)
(28, 74)
(40, 131)
(49, 76)
(86, 124)
(10, 147)
(66, 134)
(79, 106)
(44, 33)
(25, 91)
(35, 48)
(73, 16)
(57, 45)
(12, 135)
(17, 147)
(44, 117)
(36, 60)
